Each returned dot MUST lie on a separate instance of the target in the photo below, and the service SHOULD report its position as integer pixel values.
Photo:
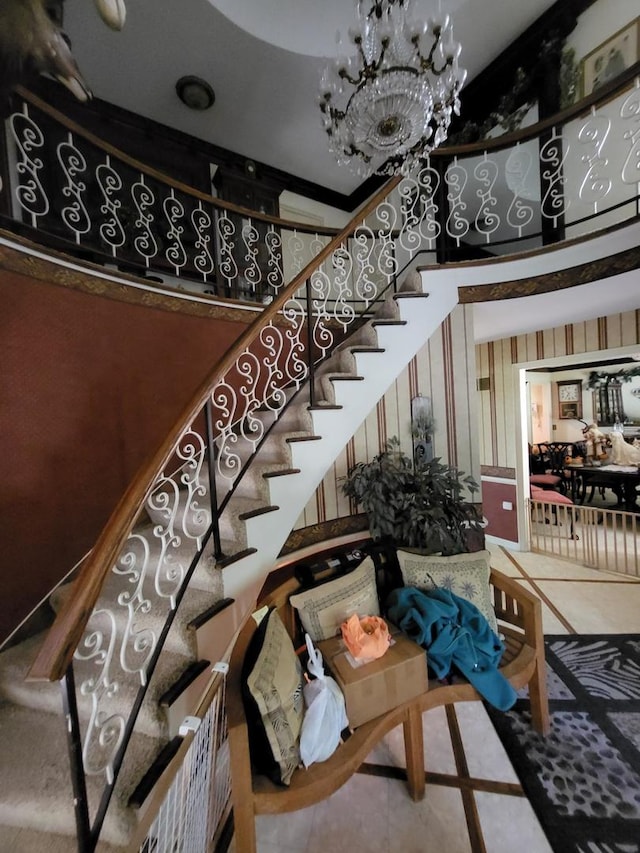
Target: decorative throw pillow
(467, 575)
(324, 608)
(272, 681)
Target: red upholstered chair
(555, 499)
(540, 494)
(555, 454)
(539, 475)
(545, 481)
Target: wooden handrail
(66, 632)
(601, 96)
(57, 651)
(139, 166)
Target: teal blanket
(456, 636)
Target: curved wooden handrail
(601, 96)
(139, 166)
(66, 632)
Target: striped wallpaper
(495, 360)
(444, 370)
(474, 429)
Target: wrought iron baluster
(310, 358)
(74, 746)
(213, 490)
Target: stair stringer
(334, 427)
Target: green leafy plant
(421, 506)
(597, 378)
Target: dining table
(622, 479)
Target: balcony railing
(558, 179)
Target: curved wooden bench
(519, 615)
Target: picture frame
(612, 57)
(570, 411)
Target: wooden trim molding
(498, 471)
(550, 282)
(89, 278)
(323, 531)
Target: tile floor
(473, 801)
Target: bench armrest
(517, 606)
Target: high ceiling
(264, 59)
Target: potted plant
(419, 505)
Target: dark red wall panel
(89, 386)
(502, 523)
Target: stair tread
(45, 697)
(203, 617)
(258, 511)
(268, 475)
(23, 840)
(40, 796)
(235, 557)
(187, 677)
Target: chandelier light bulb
(387, 106)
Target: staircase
(302, 440)
(163, 592)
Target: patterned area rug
(583, 780)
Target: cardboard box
(373, 688)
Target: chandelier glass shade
(387, 106)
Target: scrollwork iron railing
(560, 178)
(105, 645)
(122, 615)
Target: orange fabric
(366, 637)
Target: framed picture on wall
(570, 399)
(611, 58)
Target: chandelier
(385, 108)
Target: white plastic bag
(325, 716)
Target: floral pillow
(324, 608)
(466, 575)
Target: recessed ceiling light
(195, 92)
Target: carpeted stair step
(374, 350)
(46, 697)
(15, 839)
(238, 510)
(198, 621)
(253, 483)
(235, 557)
(378, 323)
(292, 419)
(38, 795)
(187, 677)
(410, 294)
(180, 698)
